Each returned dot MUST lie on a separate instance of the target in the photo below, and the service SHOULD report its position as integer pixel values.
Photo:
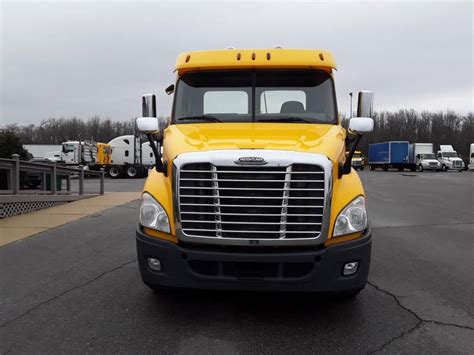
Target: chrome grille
(251, 202)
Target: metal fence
(52, 170)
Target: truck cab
(358, 160)
(449, 159)
(252, 188)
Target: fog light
(154, 264)
(350, 268)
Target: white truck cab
(449, 159)
(471, 157)
(71, 154)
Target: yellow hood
(326, 139)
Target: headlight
(153, 215)
(353, 218)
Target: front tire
(420, 168)
(445, 168)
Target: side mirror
(361, 125)
(365, 104)
(148, 125)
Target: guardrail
(14, 166)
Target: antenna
(350, 113)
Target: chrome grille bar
(220, 201)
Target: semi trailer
(392, 154)
(253, 189)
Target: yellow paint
(279, 58)
(104, 154)
(326, 139)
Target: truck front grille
(251, 202)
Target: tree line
(445, 127)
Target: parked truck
(92, 155)
(421, 157)
(392, 154)
(253, 189)
(471, 157)
(449, 159)
(130, 157)
(358, 160)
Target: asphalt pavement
(76, 288)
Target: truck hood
(327, 139)
(429, 161)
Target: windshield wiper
(285, 119)
(209, 118)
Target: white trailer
(43, 151)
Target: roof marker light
(239, 56)
(188, 57)
(321, 56)
(268, 56)
(253, 56)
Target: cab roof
(255, 58)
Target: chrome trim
(274, 158)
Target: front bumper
(205, 267)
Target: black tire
(445, 168)
(132, 172)
(420, 168)
(385, 168)
(460, 170)
(372, 167)
(400, 168)
(361, 168)
(115, 172)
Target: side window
(439, 155)
(282, 101)
(151, 155)
(225, 102)
(126, 153)
(126, 141)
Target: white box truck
(422, 157)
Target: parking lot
(76, 288)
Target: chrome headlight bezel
(346, 221)
(153, 215)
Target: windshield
(450, 154)
(428, 156)
(255, 96)
(357, 155)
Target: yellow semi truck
(252, 189)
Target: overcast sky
(98, 58)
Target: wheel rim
(132, 172)
(113, 172)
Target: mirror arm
(160, 166)
(345, 168)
